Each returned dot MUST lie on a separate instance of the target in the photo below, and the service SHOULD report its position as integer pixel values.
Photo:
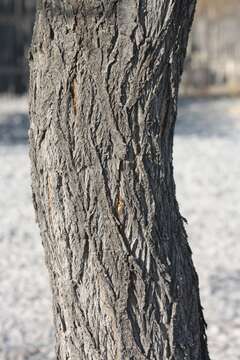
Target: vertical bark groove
(104, 86)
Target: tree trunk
(104, 86)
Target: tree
(104, 87)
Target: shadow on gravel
(201, 118)
(206, 118)
(14, 129)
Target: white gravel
(207, 171)
(25, 312)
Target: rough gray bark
(104, 85)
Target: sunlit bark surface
(103, 102)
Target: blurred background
(207, 172)
(16, 22)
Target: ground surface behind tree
(207, 168)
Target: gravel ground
(25, 313)
(207, 170)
